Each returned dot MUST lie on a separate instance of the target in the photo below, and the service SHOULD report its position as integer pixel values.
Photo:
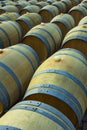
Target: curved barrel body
(43, 40)
(35, 115)
(59, 81)
(17, 65)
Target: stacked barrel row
(34, 6)
(46, 55)
(12, 32)
(41, 88)
(27, 21)
(52, 95)
(24, 23)
(52, 98)
(41, 37)
(77, 37)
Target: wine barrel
(83, 21)
(75, 2)
(76, 38)
(9, 16)
(59, 81)
(83, 4)
(17, 65)
(65, 22)
(50, 1)
(67, 3)
(43, 40)
(4, 17)
(78, 12)
(13, 15)
(61, 6)
(30, 9)
(41, 4)
(32, 2)
(36, 116)
(48, 12)
(21, 5)
(8, 8)
(10, 33)
(28, 21)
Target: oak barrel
(30, 9)
(28, 21)
(8, 8)
(78, 12)
(17, 65)
(61, 6)
(41, 4)
(83, 21)
(67, 3)
(48, 12)
(35, 115)
(9, 16)
(65, 22)
(59, 81)
(10, 33)
(76, 38)
(43, 40)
